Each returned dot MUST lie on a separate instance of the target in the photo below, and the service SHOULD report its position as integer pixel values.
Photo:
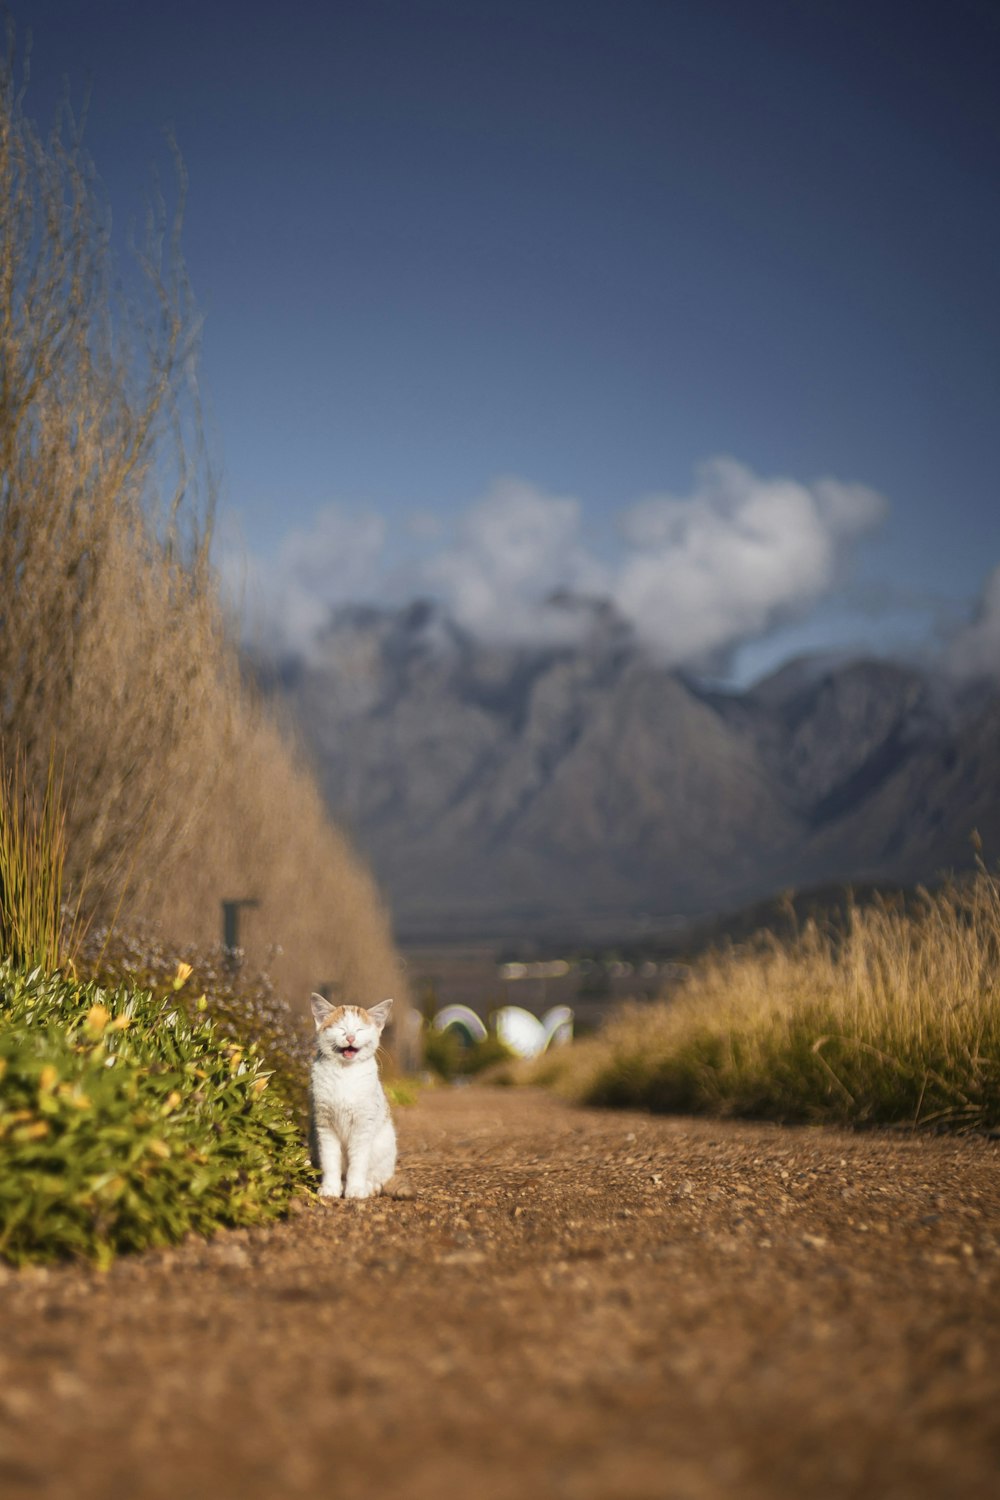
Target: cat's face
(348, 1034)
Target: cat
(352, 1140)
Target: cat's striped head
(348, 1033)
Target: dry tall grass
(894, 1019)
(113, 648)
(35, 928)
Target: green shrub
(449, 1056)
(230, 991)
(125, 1123)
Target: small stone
(462, 1258)
(66, 1386)
(232, 1255)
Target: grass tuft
(892, 1019)
(33, 927)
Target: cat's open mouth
(348, 1052)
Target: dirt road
(585, 1305)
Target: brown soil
(585, 1305)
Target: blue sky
(500, 295)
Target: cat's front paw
(357, 1190)
(331, 1189)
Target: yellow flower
(48, 1078)
(98, 1017)
(184, 972)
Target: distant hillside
(586, 790)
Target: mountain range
(579, 788)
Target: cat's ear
(380, 1012)
(320, 1008)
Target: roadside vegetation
(151, 1083)
(126, 1123)
(129, 1115)
(447, 1055)
(117, 661)
(242, 1002)
(891, 1017)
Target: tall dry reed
(36, 931)
(181, 792)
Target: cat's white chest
(347, 1096)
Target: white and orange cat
(352, 1140)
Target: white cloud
(698, 576)
(740, 553)
(286, 601)
(975, 650)
(514, 548)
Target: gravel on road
(579, 1304)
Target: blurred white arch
(558, 1025)
(519, 1030)
(463, 1019)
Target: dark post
(231, 924)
